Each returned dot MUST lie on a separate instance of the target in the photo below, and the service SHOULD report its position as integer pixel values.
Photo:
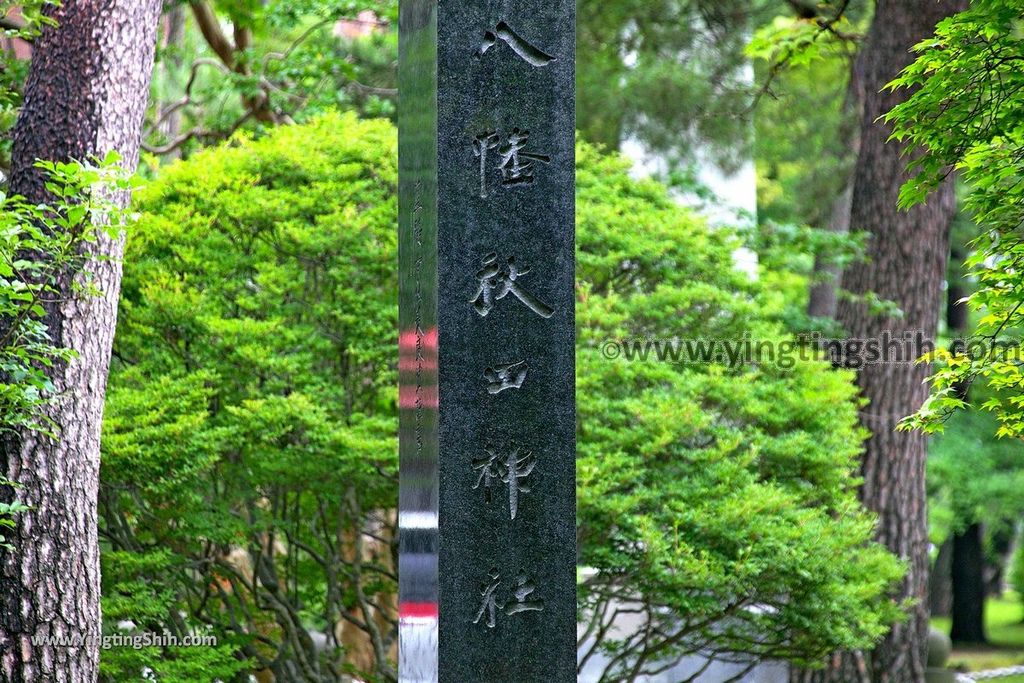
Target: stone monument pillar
(487, 567)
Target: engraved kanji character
(516, 165)
(531, 54)
(524, 586)
(511, 469)
(514, 468)
(508, 376)
(497, 281)
(490, 471)
(489, 606)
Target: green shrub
(724, 494)
(254, 407)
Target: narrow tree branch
(243, 38)
(206, 18)
(825, 24)
(187, 97)
(197, 133)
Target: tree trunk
(823, 299)
(168, 113)
(968, 587)
(996, 560)
(86, 94)
(967, 567)
(908, 255)
(956, 310)
(940, 581)
(824, 295)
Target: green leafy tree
(807, 118)
(249, 470)
(895, 289)
(802, 157)
(966, 115)
(715, 499)
(252, 416)
(671, 73)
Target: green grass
(1004, 625)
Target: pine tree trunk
(86, 94)
(908, 253)
(968, 587)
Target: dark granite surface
(493, 261)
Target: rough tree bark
(86, 94)
(968, 587)
(908, 253)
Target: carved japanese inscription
(497, 280)
(530, 53)
(509, 156)
(518, 602)
(505, 159)
(486, 153)
(510, 468)
(507, 376)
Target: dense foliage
(803, 127)
(249, 448)
(670, 74)
(966, 114)
(249, 471)
(806, 125)
(719, 497)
